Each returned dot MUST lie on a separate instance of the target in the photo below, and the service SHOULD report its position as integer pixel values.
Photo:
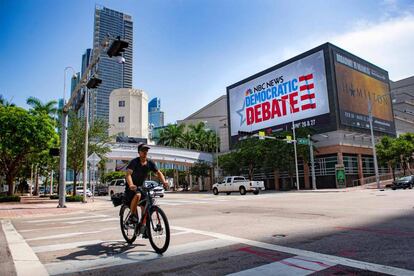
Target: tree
(230, 163)
(250, 153)
(387, 154)
(4, 102)
(21, 135)
(108, 177)
(98, 139)
(200, 169)
(38, 106)
(172, 136)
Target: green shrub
(54, 197)
(75, 198)
(13, 198)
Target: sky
(186, 52)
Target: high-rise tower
(114, 75)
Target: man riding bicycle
(137, 172)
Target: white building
(128, 113)
(214, 115)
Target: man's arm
(130, 184)
(162, 178)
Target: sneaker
(143, 231)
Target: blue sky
(188, 52)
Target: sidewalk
(17, 209)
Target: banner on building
(296, 91)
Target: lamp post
(85, 157)
(294, 142)
(63, 145)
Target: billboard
(297, 91)
(357, 81)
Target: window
(121, 119)
(121, 103)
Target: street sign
(303, 141)
(340, 176)
(288, 138)
(261, 135)
(94, 159)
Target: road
(353, 232)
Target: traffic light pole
(85, 157)
(312, 162)
(114, 50)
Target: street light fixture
(294, 142)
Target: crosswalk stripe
(290, 266)
(91, 220)
(73, 266)
(25, 260)
(64, 219)
(67, 235)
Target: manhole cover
(279, 236)
(226, 212)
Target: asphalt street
(352, 232)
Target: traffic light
(117, 47)
(93, 82)
(244, 133)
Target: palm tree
(4, 102)
(38, 106)
(172, 136)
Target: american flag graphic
(306, 93)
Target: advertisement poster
(296, 91)
(356, 83)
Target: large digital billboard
(296, 91)
(357, 81)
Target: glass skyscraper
(155, 115)
(113, 75)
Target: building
(155, 115)
(113, 75)
(128, 113)
(214, 115)
(403, 102)
(328, 90)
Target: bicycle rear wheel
(158, 230)
(128, 230)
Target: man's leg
(134, 203)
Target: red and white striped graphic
(307, 95)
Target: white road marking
(73, 266)
(309, 254)
(290, 266)
(89, 220)
(25, 260)
(44, 229)
(72, 245)
(67, 235)
(64, 219)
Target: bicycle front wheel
(128, 230)
(158, 230)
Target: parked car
(403, 183)
(101, 190)
(158, 188)
(79, 191)
(238, 184)
(116, 186)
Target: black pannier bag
(117, 199)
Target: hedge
(13, 198)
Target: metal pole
(63, 147)
(217, 146)
(31, 182)
(51, 183)
(296, 154)
(85, 159)
(374, 151)
(312, 163)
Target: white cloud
(388, 44)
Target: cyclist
(137, 172)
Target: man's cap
(142, 146)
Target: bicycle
(158, 229)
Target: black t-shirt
(140, 172)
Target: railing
(371, 182)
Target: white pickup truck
(238, 184)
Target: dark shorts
(129, 195)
